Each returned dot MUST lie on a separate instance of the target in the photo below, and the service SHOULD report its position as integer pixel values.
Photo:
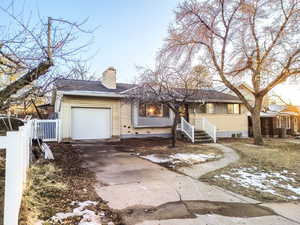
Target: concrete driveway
(146, 193)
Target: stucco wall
(127, 126)
(227, 124)
(122, 120)
(95, 102)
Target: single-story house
(276, 117)
(100, 110)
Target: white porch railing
(188, 129)
(209, 128)
(18, 148)
(47, 130)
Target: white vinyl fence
(209, 128)
(188, 129)
(18, 149)
(47, 130)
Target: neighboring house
(276, 117)
(273, 117)
(100, 109)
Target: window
(233, 108)
(278, 122)
(153, 110)
(200, 108)
(210, 108)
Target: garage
(91, 123)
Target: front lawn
(267, 173)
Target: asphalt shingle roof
(97, 86)
(87, 85)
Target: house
(100, 109)
(273, 117)
(277, 117)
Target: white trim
(130, 89)
(121, 95)
(91, 94)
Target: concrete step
(199, 132)
(209, 140)
(201, 135)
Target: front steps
(200, 137)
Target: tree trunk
(174, 127)
(37, 110)
(24, 80)
(256, 123)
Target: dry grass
(54, 185)
(181, 147)
(275, 156)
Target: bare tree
(239, 40)
(31, 55)
(171, 87)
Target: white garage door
(91, 123)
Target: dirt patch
(266, 173)
(189, 209)
(55, 186)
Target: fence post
(13, 179)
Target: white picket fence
(18, 150)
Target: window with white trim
(153, 110)
(210, 108)
(233, 108)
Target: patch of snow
(192, 158)
(263, 181)
(189, 158)
(89, 217)
(156, 158)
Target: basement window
(153, 110)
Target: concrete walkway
(196, 171)
(140, 190)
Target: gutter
(91, 94)
(122, 95)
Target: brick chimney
(109, 78)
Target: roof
(284, 109)
(210, 95)
(88, 85)
(95, 88)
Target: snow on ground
(89, 217)
(270, 182)
(157, 158)
(188, 158)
